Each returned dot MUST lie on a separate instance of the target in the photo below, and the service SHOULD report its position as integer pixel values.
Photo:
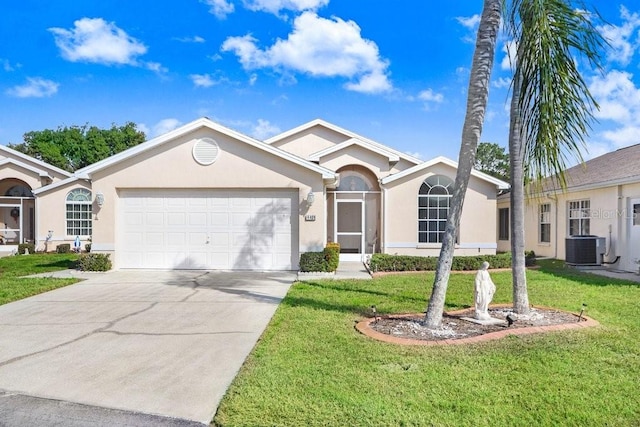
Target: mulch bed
(409, 328)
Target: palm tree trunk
(482, 64)
(516, 162)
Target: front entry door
(633, 219)
(350, 229)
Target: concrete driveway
(164, 343)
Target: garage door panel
(176, 219)
(210, 229)
(154, 239)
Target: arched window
(78, 208)
(19, 191)
(433, 208)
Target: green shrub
(385, 262)
(529, 258)
(313, 261)
(94, 262)
(63, 248)
(87, 247)
(22, 247)
(332, 255)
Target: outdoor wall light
(310, 198)
(100, 199)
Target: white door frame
(633, 246)
(350, 257)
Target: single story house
(204, 196)
(602, 199)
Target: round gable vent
(206, 151)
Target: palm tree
(478, 94)
(551, 106)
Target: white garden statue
(484, 290)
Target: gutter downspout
(383, 245)
(555, 223)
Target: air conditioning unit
(585, 250)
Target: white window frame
(579, 215)
(78, 213)
(431, 215)
(544, 221)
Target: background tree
(493, 160)
(478, 94)
(74, 147)
(551, 106)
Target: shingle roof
(617, 167)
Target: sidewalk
(346, 270)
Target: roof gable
(421, 167)
(391, 156)
(35, 164)
(366, 142)
(40, 172)
(203, 122)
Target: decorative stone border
(364, 328)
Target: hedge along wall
(385, 262)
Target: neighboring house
(206, 197)
(602, 199)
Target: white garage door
(226, 230)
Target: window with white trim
(434, 199)
(78, 212)
(579, 217)
(544, 235)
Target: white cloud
(95, 40)
(194, 39)
(219, 8)
(319, 47)
(205, 80)
(160, 128)
(253, 78)
(617, 95)
(156, 67)
(622, 136)
(36, 87)
(509, 49)
(264, 129)
(624, 39)
(619, 101)
(429, 95)
(470, 22)
(275, 6)
(7, 66)
(502, 82)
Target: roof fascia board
(338, 129)
(55, 185)
(190, 127)
(28, 158)
(392, 157)
(501, 185)
(22, 165)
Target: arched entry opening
(354, 213)
(17, 212)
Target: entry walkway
(346, 270)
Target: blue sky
(396, 72)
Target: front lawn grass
(311, 368)
(13, 285)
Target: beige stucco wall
(610, 219)
(477, 225)
(309, 141)
(356, 155)
(51, 216)
(239, 166)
